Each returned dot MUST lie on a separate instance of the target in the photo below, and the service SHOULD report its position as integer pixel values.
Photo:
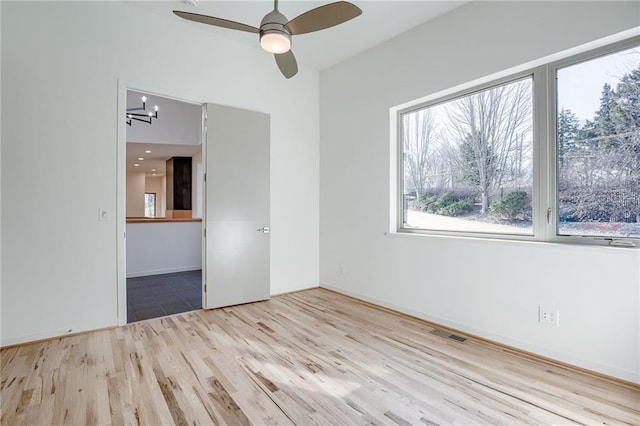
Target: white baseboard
(163, 271)
(280, 293)
(60, 332)
(609, 370)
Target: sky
(580, 85)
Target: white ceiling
(156, 159)
(380, 21)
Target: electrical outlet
(342, 270)
(549, 316)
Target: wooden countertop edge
(161, 219)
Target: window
(598, 154)
(551, 154)
(150, 204)
(467, 162)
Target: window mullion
(542, 154)
(552, 154)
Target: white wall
(135, 194)
(158, 185)
(488, 288)
(0, 173)
(61, 62)
(163, 248)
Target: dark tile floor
(159, 295)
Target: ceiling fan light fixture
(275, 41)
(276, 30)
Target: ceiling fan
(276, 30)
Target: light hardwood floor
(313, 357)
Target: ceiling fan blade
(218, 22)
(323, 17)
(287, 64)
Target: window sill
(516, 241)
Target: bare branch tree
(418, 134)
(489, 128)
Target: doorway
(235, 208)
(164, 198)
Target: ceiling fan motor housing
(273, 24)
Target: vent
(457, 338)
(448, 335)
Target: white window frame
(544, 185)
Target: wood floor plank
(312, 357)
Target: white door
(236, 248)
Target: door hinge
(205, 232)
(205, 287)
(549, 216)
(205, 177)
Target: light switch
(103, 214)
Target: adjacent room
(372, 212)
(164, 196)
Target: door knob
(264, 230)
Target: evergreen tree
(587, 135)
(604, 125)
(568, 127)
(479, 161)
(625, 113)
